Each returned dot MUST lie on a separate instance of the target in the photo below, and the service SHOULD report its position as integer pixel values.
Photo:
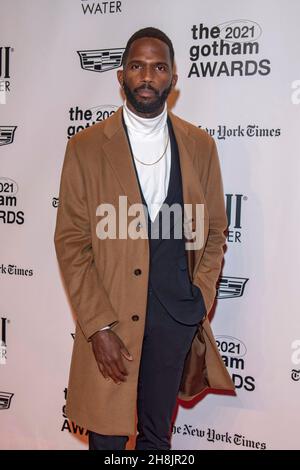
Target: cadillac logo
(5, 399)
(101, 60)
(229, 287)
(7, 134)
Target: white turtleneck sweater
(148, 139)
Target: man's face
(147, 77)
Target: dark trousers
(165, 346)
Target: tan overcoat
(99, 273)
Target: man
(141, 299)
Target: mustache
(146, 87)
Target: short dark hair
(149, 32)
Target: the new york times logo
(14, 270)
(3, 340)
(69, 425)
(229, 287)
(236, 39)
(8, 202)
(234, 352)
(7, 134)
(5, 57)
(101, 8)
(223, 132)
(234, 216)
(5, 400)
(295, 358)
(215, 437)
(101, 60)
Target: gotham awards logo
(70, 426)
(234, 354)
(9, 201)
(230, 49)
(81, 118)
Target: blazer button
(135, 317)
(137, 272)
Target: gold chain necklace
(148, 164)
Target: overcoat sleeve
(73, 245)
(210, 265)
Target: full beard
(143, 107)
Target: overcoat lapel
(118, 153)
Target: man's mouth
(146, 93)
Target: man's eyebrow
(158, 62)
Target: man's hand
(109, 349)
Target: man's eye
(135, 66)
(161, 67)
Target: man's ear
(174, 80)
(120, 77)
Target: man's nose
(147, 73)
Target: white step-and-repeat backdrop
(239, 78)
